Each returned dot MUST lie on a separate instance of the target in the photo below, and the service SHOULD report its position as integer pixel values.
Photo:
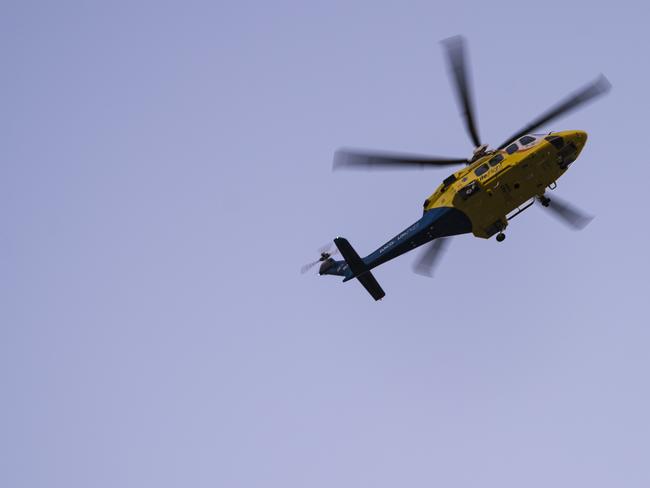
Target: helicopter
(481, 198)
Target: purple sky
(166, 170)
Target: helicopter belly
(489, 199)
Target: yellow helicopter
(495, 185)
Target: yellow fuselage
(496, 184)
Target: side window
(481, 170)
(512, 148)
(496, 159)
(524, 141)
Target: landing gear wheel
(545, 201)
(501, 237)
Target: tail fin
(359, 269)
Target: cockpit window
(512, 148)
(524, 141)
(481, 170)
(496, 159)
(557, 141)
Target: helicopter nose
(570, 145)
(573, 138)
(576, 138)
(579, 138)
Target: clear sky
(166, 170)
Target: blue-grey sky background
(166, 169)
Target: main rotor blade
(569, 215)
(427, 261)
(357, 159)
(598, 87)
(456, 57)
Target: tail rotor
(326, 252)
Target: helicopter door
(506, 191)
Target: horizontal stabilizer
(359, 269)
(370, 284)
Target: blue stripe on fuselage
(435, 223)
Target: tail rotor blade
(326, 248)
(308, 266)
(569, 215)
(430, 257)
(326, 252)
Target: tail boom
(435, 223)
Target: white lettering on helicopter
(407, 231)
(381, 250)
(398, 238)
